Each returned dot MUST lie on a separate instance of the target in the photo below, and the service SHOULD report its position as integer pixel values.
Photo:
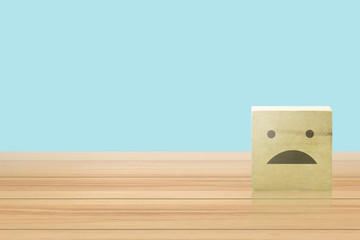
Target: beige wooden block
(291, 148)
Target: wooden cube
(291, 148)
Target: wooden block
(291, 148)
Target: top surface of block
(290, 108)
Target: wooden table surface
(166, 195)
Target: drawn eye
(309, 133)
(271, 134)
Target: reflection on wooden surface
(292, 194)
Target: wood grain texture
(178, 234)
(180, 214)
(108, 156)
(151, 195)
(164, 165)
(158, 188)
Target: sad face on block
(291, 148)
(291, 156)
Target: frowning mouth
(292, 157)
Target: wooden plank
(125, 188)
(111, 156)
(202, 164)
(346, 156)
(179, 234)
(200, 214)
(123, 168)
(149, 156)
(158, 188)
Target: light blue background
(171, 75)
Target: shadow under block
(291, 148)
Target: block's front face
(291, 150)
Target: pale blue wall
(171, 75)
